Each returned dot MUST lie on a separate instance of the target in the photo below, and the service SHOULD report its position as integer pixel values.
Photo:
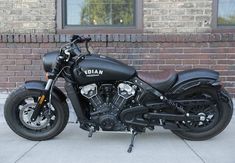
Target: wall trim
(168, 38)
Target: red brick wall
(20, 55)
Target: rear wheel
(214, 118)
(19, 108)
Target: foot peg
(91, 131)
(134, 133)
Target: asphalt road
(158, 146)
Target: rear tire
(225, 110)
(18, 109)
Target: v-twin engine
(106, 102)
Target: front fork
(42, 100)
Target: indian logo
(93, 72)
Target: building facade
(151, 35)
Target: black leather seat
(162, 81)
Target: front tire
(223, 114)
(18, 110)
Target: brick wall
(20, 55)
(27, 16)
(177, 16)
(160, 16)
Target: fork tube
(49, 82)
(41, 101)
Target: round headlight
(49, 60)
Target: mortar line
(194, 151)
(26, 152)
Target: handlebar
(67, 51)
(80, 39)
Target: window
(224, 14)
(100, 15)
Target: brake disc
(25, 117)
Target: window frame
(215, 27)
(62, 29)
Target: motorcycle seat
(162, 81)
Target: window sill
(102, 30)
(223, 30)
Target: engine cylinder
(90, 92)
(124, 92)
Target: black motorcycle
(111, 96)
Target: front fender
(40, 86)
(195, 77)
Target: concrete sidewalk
(73, 146)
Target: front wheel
(215, 117)
(19, 108)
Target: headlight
(49, 60)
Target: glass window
(93, 13)
(226, 13)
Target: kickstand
(134, 133)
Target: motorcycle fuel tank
(98, 68)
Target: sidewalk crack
(194, 151)
(26, 152)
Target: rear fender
(194, 78)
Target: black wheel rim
(209, 114)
